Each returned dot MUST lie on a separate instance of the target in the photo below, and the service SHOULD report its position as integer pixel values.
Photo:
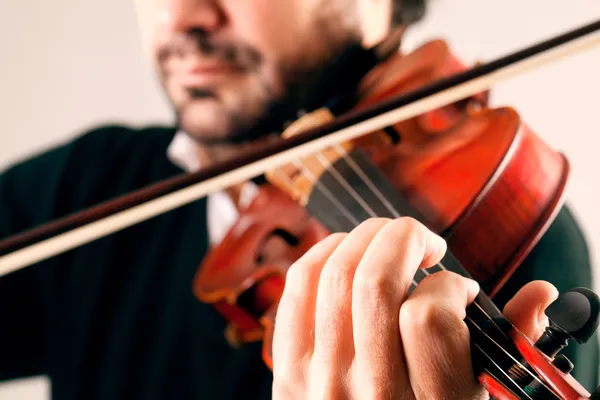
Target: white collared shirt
(222, 213)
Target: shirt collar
(183, 152)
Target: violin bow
(72, 231)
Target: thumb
(526, 309)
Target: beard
(272, 93)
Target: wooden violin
(420, 141)
(458, 169)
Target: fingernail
(555, 294)
(543, 321)
(440, 242)
(436, 249)
(472, 287)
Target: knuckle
(327, 392)
(297, 278)
(377, 389)
(450, 280)
(288, 380)
(328, 384)
(372, 223)
(297, 283)
(336, 277)
(411, 318)
(408, 315)
(411, 224)
(299, 272)
(284, 373)
(418, 315)
(334, 302)
(426, 317)
(337, 236)
(322, 247)
(450, 277)
(374, 289)
(407, 233)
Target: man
(116, 319)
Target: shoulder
(117, 144)
(116, 138)
(98, 164)
(105, 143)
(133, 154)
(561, 257)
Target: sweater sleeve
(62, 180)
(28, 194)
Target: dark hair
(408, 12)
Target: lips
(206, 74)
(210, 68)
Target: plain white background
(70, 64)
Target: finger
(381, 284)
(526, 309)
(334, 346)
(293, 334)
(436, 339)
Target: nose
(185, 15)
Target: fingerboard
(353, 190)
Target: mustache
(198, 42)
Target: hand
(347, 329)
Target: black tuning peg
(573, 315)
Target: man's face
(228, 66)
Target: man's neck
(342, 81)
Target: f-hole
(280, 233)
(393, 134)
(248, 298)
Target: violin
(420, 141)
(478, 176)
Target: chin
(206, 133)
(205, 122)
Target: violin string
(371, 185)
(325, 191)
(500, 369)
(339, 177)
(346, 185)
(358, 170)
(367, 181)
(328, 193)
(427, 273)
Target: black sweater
(116, 319)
